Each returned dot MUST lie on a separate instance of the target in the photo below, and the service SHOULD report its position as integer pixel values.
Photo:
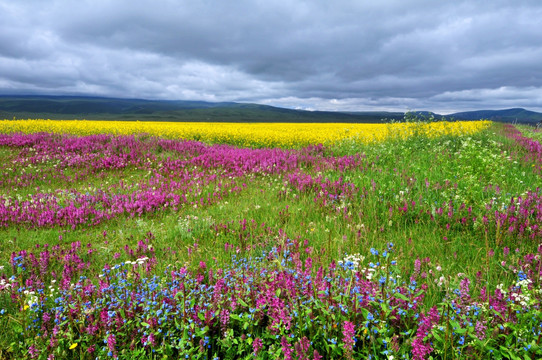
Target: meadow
(206, 241)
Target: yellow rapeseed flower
(285, 135)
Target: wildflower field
(237, 241)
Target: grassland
(413, 244)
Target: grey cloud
(349, 55)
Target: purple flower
(257, 345)
(349, 340)
(286, 348)
(111, 343)
(480, 329)
(151, 340)
(316, 356)
(417, 267)
(464, 286)
(302, 348)
(33, 352)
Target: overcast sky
(400, 55)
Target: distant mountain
(101, 108)
(518, 115)
(97, 105)
(98, 108)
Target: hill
(101, 108)
(96, 108)
(518, 115)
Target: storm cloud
(443, 56)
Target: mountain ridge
(105, 108)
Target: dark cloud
(341, 55)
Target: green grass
(457, 169)
(435, 199)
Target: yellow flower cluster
(286, 135)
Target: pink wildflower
(286, 348)
(349, 339)
(257, 345)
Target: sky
(359, 55)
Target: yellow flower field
(285, 135)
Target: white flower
(142, 260)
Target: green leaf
(385, 308)
(437, 336)
(460, 331)
(454, 324)
(400, 296)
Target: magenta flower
(111, 343)
(316, 356)
(33, 352)
(257, 345)
(349, 339)
(286, 348)
(151, 340)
